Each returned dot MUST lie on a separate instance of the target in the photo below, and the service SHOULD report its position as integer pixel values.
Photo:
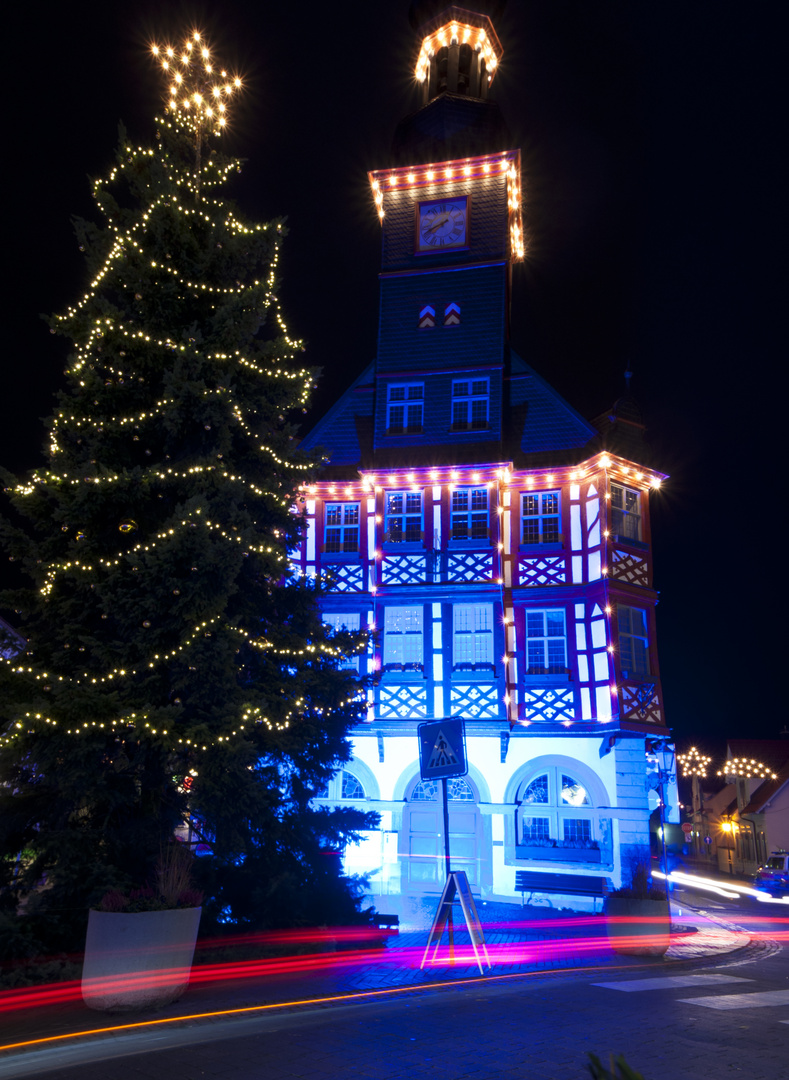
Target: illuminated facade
(496, 541)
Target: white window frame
(472, 635)
(547, 641)
(404, 638)
(633, 626)
(410, 398)
(344, 620)
(544, 516)
(555, 811)
(347, 530)
(470, 399)
(468, 519)
(625, 512)
(408, 533)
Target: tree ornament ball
(146, 623)
(128, 525)
(80, 535)
(176, 592)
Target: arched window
(457, 791)
(555, 810)
(351, 787)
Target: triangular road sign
(442, 749)
(443, 754)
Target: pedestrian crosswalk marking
(668, 982)
(759, 1000)
(443, 754)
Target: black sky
(651, 176)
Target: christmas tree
(176, 676)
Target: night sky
(651, 201)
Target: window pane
(535, 828)
(459, 791)
(577, 829)
(573, 793)
(541, 518)
(537, 791)
(425, 791)
(351, 788)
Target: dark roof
(421, 11)
(766, 791)
(448, 127)
(343, 431)
(540, 428)
(540, 419)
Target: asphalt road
(724, 1018)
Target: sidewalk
(519, 941)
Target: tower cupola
(457, 56)
(459, 51)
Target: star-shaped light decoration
(198, 91)
(747, 768)
(693, 763)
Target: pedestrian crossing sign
(442, 749)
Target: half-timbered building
(495, 541)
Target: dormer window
(470, 404)
(404, 408)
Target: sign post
(442, 755)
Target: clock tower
(495, 543)
(450, 210)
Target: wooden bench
(387, 922)
(533, 881)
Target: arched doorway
(422, 846)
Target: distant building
(749, 818)
(496, 541)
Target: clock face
(442, 224)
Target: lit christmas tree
(175, 670)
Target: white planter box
(138, 961)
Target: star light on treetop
(198, 91)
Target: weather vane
(198, 91)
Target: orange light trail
(250, 1009)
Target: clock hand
(437, 222)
